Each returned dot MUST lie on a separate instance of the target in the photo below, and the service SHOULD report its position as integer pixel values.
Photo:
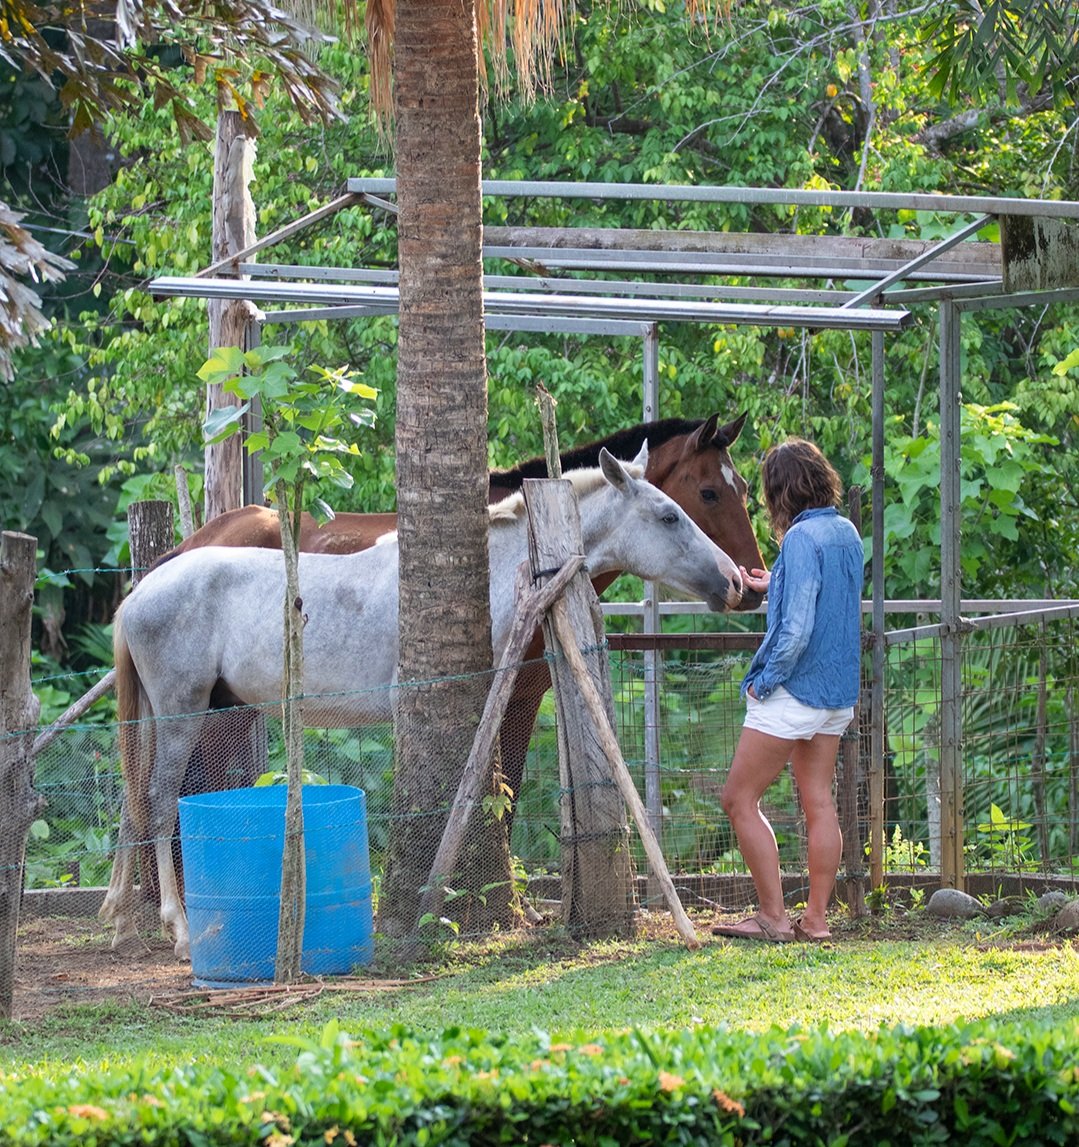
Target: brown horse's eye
(708, 495)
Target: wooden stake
(545, 400)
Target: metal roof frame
(957, 275)
(542, 301)
(374, 300)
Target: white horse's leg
(175, 742)
(119, 903)
(173, 916)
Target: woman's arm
(796, 612)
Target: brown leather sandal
(805, 937)
(754, 927)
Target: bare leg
(813, 762)
(175, 741)
(758, 761)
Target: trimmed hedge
(983, 1083)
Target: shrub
(983, 1083)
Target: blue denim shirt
(812, 646)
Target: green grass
(869, 978)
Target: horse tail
(136, 730)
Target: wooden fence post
(151, 533)
(19, 708)
(850, 776)
(598, 889)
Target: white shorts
(781, 715)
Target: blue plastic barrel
(232, 846)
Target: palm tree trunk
(442, 480)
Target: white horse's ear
(642, 456)
(613, 470)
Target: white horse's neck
(508, 543)
(596, 502)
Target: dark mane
(624, 445)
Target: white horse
(210, 618)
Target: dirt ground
(62, 961)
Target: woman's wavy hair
(796, 476)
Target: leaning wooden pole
(150, 530)
(609, 742)
(19, 803)
(475, 783)
(232, 321)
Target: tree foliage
(71, 72)
(115, 57)
(781, 96)
(1008, 45)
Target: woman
(800, 688)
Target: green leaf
(359, 389)
(1070, 362)
(223, 421)
(223, 363)
(322, 512)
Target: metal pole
(874, 200)
(653, 798)
(951, 726)
(876, 696)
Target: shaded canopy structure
(617, 282)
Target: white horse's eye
(669, 519)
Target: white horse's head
(634, 527)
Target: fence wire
(1020, 778)
(1020, 751)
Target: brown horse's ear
(704, 436)
(642, 457)
(731, 431)
(724, 436)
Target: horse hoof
(183, 950)
(126, 941)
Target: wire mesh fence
(1020, 777)
(1020, 750)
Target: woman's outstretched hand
(755, 579)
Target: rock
(953, 904)
(1051, 901)
(1066, 921)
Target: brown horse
(689, 460)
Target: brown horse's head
(696, 470)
